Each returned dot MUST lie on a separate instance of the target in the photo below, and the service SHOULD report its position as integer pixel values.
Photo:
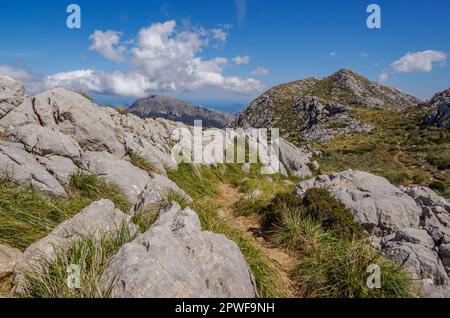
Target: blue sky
(277, 42)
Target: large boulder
(132, 180)
(175, 259)
(61, 168)
(99, 219)
(47, 141)
(438, 110)
(379, 206)
(294, 159)
(23, 168)
(8, 259)
(12, 94)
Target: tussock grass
(93, 257)
(26, 215)
(142, 163)
(122, 111)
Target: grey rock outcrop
(99, 219)
(411, 225)
(438, 109)
(23, 168)
(295, 160)
(8, 258)
(176, 259)
(61, 168)
(12, 94)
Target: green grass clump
(93, 257)
(339, 270)
(27, 215)
(143, 163)
(122, 111)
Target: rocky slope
(178, 110)
(411, 225)
(438, 110)
(317, 109)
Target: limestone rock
(12, 94)
(438, 110)
(23, 168)
(175, 259)
(61, 168)
(8, 259)
(294, 159)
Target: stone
(8, 259)
(157, 189)
(295, 160)
(379, 206)
(176, 259)
(415, 236)
(420, 261)
(132, 180)
(99, 219)
(47, 141)
(444, 251)
(23, 168)
(12, 94)
(61, 168)
(438, 110)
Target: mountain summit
(320, 108)
(177, 110)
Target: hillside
(180, 111)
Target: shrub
(323, 207)
(438, 186)
(339, 270)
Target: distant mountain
(317, 109)
(438, 109)
(177, 110)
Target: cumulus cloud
(239, 60)
(418, 62)
(162, 59)
(383, 77)
(260, 71)
(365, 55)
(220, 35)
(333, 54)
(108, 45)
(19, 74)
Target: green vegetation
(93, 257)
(122, 110)
(399, 149)
(27, 215)
(333, 256)
(143, 163)
(85, 95)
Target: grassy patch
(27, 215)
(93, 258)
(142, 163)
(122, 111)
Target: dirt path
(250, 227)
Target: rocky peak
(438, 109)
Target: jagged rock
(61, 168)
(438, 109)
(436, 211)
(414, 236)
(379, 206)
(47, 141)
(158, 188)
(444, 251)
(175, 259)
(99, 219)
(8, 259)
(21, 115)
(420, 261)
(91, 126)
(23, 168)
(295, 160)
(12, 94)
(132, 180)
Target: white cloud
(108, 45)
(260, 71)
(18, 74)
(220, 35)
(383, 77)
(365, 55)
(333, 54)
(162, 59)
(241, 7)
(239, 60)
(418, 62)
